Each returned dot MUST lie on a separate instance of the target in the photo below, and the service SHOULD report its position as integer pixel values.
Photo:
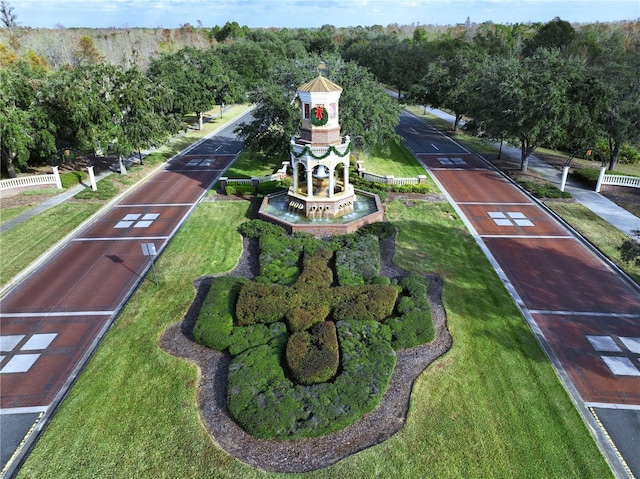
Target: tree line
(553, 85)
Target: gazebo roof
(319, 84)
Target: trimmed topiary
(258, 228)
(215, 320)
(245, 337)
(313, 356)
(261, 303)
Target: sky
(311, 13)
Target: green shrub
(240, 189)
(359, 262)
(382, 229)
(257, 228)
(381, 280)
(364, 303)
(543, 190)
(261, 303)
(269, 187)
(588, 175)
(215, 320)
(316, 272)
(313, 356)
(245, 337)
(415, 326)
(268, 405)
(73, 178)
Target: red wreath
(319, 116)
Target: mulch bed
(305, 454)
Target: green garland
(324, 117)
(332, 149)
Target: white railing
(620, 180)
(390, 180)
(275, 177)
(27, 181)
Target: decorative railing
(620, 180)
(22, 181)
(390, 180)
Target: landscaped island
(313, 336)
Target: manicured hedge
(414, 326)
(268, 405)
(313, 356)
(258, 228)
(215, 320)
(245, 337)
(359, 262)
(364, 303)
(261, 303)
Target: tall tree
(448, 82)
(367, 113)
(25, 129)
(196, 77)
(527, 101)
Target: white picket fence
(22, 181)
(620, 180)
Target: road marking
(19, 361)
(142, 205)
(584, 313)
(435, 147)
(23, 410)
(56, 314)
(128, 238)
(510, 218)
(527, 236)
(605, 405)
(136, 221)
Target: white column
(332, 181)
(56, 175)
(565, 172)
(600, 178)
(92, 178)
(295, 177)
(309, 181)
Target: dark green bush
(313, 356)
(269, 187)
(359, 262)
(543, 190)
(73, 178)
(261, 303)
(415, 326)
(381, 229)
(364, 303)
(267, 404)
(215, 320)
(316, 272)
(240, 189)
(258, 228)
(245, 337)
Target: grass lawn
(7, 213)
(490, 408)
(25, 242)
(248, 165)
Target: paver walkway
(585, 315)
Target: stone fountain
(321, 200)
